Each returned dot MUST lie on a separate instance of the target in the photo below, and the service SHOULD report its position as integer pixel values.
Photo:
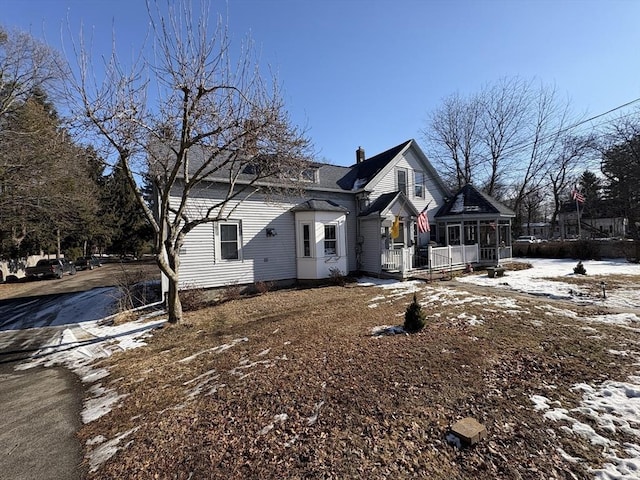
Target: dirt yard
(293, 384)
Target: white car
(526, 239)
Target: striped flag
(423, 222)
(577, 196)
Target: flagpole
(578, 212)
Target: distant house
(363, 218)
(592, 224)
(541, 230)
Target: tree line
(56, 194)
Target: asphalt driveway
(40, 407)
(40, 415)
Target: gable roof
(362, 173)
(384, 202)
(471, 201)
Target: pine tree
(414, 317)
(128, 227)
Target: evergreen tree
(44, 177)
(621, 167)
(591, 189)
(126, 223)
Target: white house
(342, 221)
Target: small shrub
(263, 287)
(336, 276)
(136, 288)
(232, 291)
(414, 317)
(193, 299)
(579, 269)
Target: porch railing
(495, 255)
(396, 260)
(435, 258)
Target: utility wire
(517, 148)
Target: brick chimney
(360, 155)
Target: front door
(453, 235)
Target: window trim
(334, 240)
(218, 241)
(417, 184)
(406, 180)
(306, 241)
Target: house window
(419, 185)
(402, 181)
(330, 240)
(306, 240)
(230, 241)
(309, 175)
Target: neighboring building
(362, 218)
(591, 226)
(541, 230)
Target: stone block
(469, 431)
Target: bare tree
(620, 165)
(564, 169)
(505, 108)
(503, 139)
(186, 116)
(546, 130)
(26, 64)
(453, 136)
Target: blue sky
(367, 73)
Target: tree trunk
(174, 306)
(169, 264)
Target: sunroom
(475, 227)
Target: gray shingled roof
(469, 200)
(385, 200)
(314, 205)
(365, 171)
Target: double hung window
(229, 244)
(330, 240)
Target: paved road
(40, 415)
(40, 407)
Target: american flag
(577, 196)
(423, 222)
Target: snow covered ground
(536, 281)
(614, 404)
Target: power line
(517, 148)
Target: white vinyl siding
(262, 258)
(433, 196)
(372, 247)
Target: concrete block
(469, 431)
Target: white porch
(403, 260)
